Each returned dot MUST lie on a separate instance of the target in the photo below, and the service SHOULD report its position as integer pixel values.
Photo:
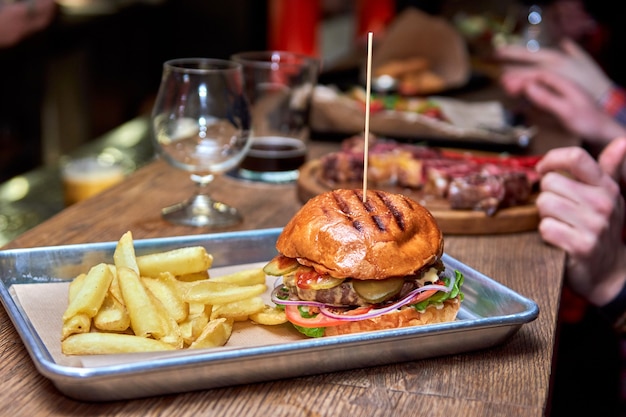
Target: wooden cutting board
(453, 222)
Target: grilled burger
(352, 265)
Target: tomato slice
(293, 315)
(320, 320)
(422, 296)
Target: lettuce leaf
(441, 296)
(310, 331)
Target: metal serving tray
(489, 315)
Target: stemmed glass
(201, 124)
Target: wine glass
(201, 124)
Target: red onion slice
(326, 310)
(277, 300)
(380, 311)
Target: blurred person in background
(572, 88)
(20, 19)
(21, 82)
(580, 82)
(577, 81)
(582, 211)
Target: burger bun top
(340, 234)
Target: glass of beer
(87, 176)
(279, 86)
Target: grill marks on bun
(397, 212)
(353, 207)
(339, 234)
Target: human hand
(573, 107)
(582, 212)
(569, 61)
(569, 19)
(21, 19)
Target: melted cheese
(430, 276)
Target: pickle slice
(376, 291)
(280, 265)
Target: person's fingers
(557, 233)
(557, 203)
(514, 80)
(573, 161)
(572, 49)
(571, 225)
(546, 97)
(558, 84)
(521, 55)
(612, 160)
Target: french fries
(195, 322)
(183, 261)
(209, 292)
(160, 301)
(90, 296)
(167, 292)
(269, 316)
(215, 333)
(238, 310)
(124, 255)
(112, 316)
(104, 343)
(144, 317)
(247, 277)
(80, 323)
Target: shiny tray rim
(76, 381)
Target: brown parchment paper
(479, 121)
(414, 33)
(45, 303)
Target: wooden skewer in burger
(361, 260)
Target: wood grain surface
(509, 379)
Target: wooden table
(512, 379)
